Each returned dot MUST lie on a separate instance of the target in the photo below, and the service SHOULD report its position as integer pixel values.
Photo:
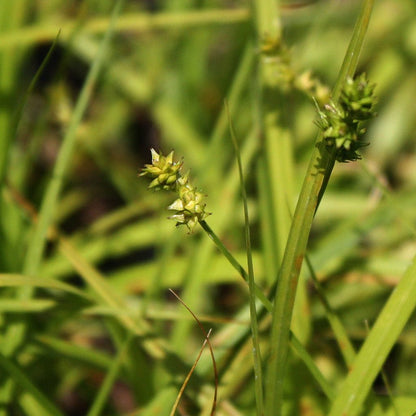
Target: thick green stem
(316, 179)
(277, 153)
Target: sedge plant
(83, 307)
(343, 132)
(340, 120)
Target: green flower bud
(163, 171)
(189, 207)
(340, 123)
(183, 180)
(357, 98)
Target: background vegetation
(87, 256)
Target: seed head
(341, 122)
(189, 207)
(163, 170)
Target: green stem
(296, 345)
(267, 16)
(276, 162)
(345, 346)
(105, 389)
(237, 266)
(314, 185)
(258, 377)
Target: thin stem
(345, 346)
(258, 377)
(296, 345)
(106, 386)
(237, 266)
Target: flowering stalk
(165, 163)
(314, 185)
(189, 207)
(341, 122)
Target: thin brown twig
(188, 376)
(206, 334)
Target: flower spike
(163, 171)
(189, 208)
(341, 122)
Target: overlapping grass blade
(258, 373)
(377, 346)
(105, 389)
(24, 382)
(16, 332)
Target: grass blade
(16, 332)
(378, 344)
(20, 378)
(128, 22)
(35, 251)
(258, 377)
(17, 280)
(109, 380)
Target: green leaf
(377, 346)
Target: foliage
(88, 325)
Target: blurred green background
(169, 68)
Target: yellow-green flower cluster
(341, 122)
(163, 170)
(189, 207)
